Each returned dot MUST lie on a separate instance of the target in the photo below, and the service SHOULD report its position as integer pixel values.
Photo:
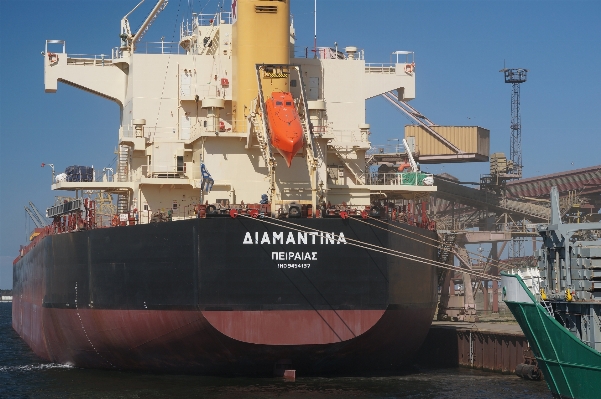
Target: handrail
(397, 178)
(89, 59)
(345, 136)
(373, 67)
(325, 53)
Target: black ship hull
(228, 296)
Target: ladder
(213, 40)
(359, 178)
(447, 242)
(123, 170)
(262, 130)
(311, 156)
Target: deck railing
(398, 179)
(89, 59)
(372, 67)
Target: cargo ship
(244, 229)
(562, 319)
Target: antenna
(315, 28)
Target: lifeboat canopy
(284, 124)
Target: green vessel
(562, 318)
(571, 368)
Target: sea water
(24, 375)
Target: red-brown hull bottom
(184, 341)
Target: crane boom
(160, 6)
(410, 155)
(37, 222)
(35, 210)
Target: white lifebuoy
(410, 67)
(53, 58)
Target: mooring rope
(495, 262)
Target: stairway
(123, 176)
(123, 167)
(359, 178)
(261, 128)
(122, 203)
(213, 42)
(257, 126)
(447, 242)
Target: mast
(315, 28)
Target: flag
(207, 180)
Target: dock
(485, 346)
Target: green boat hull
(571, 368)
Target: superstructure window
(288, 103)
(279, 103)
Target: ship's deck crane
(129, 41)
(35, 215)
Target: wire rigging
(495, 262)
(377, 248)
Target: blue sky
(460, 47)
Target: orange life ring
(410, 67)
(52, 57)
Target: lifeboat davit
(284, 124)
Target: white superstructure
(178, 112)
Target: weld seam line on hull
(84, 329)
(386, 251)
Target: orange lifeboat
(284, 124)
